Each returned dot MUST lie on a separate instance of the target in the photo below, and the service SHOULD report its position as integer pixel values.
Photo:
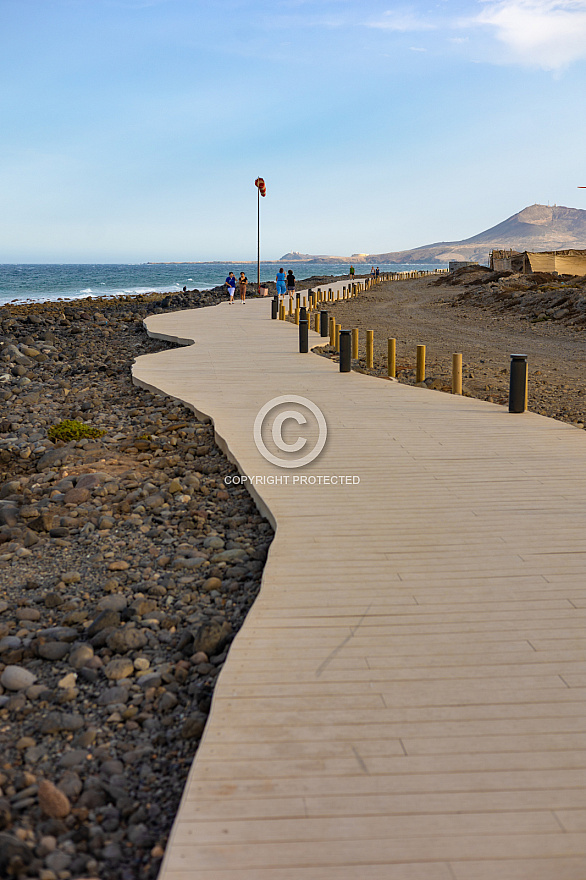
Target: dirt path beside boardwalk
(487, 327)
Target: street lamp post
(261, 191)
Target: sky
(133, 130)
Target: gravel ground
(486, 316)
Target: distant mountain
(296, 257)
(536, 228)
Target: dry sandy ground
(417, 312)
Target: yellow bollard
(317, 320)
(297, 314)
(337, 295)
(355, 343)
(290, 306)
(369, 349)
(332, 328)
(304, 302)
(392, 358)
(457, 373)
(281, 311)
(420, 368)
(337, 337)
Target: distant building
(460, 264)
(564, 262)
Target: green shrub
(70, 429)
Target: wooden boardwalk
(405, 700)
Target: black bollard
(303, 314)
(311, 298)
(345, 351)
(518, 384)
(303, 336)
(324, 327)
(275, 308)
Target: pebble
(104, 620)
(119, 668)
(114, 602)
(16, 678)
(80, 655)
(211, 637)
(53, 650)
(68, 681)
(119, 565)
(127, 639)
(53, 802)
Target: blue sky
(133, 130)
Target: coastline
(36, 283)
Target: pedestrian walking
(280, 279)
(351, 273)
(231, 285)
(290, 282)
(242, 282)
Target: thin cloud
(550, 34)
(401, 20)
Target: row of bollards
(346, 343)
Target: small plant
(70, 429)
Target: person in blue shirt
(231, 285)
(280, 279)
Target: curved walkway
(406, 698)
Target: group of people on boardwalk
(231, 285)
(285, 283)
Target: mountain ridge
(534, 228)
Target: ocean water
(37, 283)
